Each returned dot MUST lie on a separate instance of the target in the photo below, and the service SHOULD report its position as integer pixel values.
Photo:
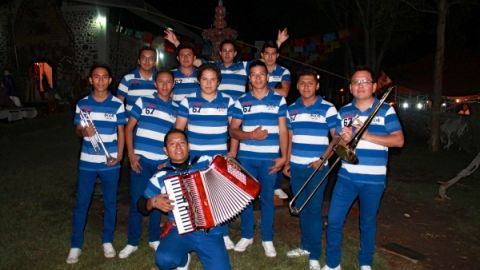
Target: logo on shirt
(196, 107)
(271, 107)
(135, 82)
(293, 114)
(347, 121)
(178, 81)
(275, 78)
(109, 116)
(221, 108)
(315, 116)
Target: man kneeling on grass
(174, 248)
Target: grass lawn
(38, 176)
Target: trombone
(346, 153)
(95, 140)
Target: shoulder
(117, 100)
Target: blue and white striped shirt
(207, 128)
(185, 85)
(278, 75)
(133, 86)
(372, 158)
(155, 118)
(106, 116)
(310, 127)
(265, 113)
(234, 79)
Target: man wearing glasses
(140, 81)
(366, 179)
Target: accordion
(206, 198)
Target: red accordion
(207, 198)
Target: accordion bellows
(207, 198)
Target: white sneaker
(108, 250)
(314, 265)
(185, 267)
(242, 245)
(365, 267)
(127, 251)
(228, 242)
(298, 252)
(154, 244)
(269, 249)
(73, 255)
(335, 268)
(280, 193)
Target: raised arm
(282, 36)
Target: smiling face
(362, 85)
(176, 147)
(307, 85)
(258, 77)
(100, 79)
(147, 60)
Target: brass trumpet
(346, 153)
(95, 140)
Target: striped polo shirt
(265, 113)
(310, 127)
(234, 79)
(279, 74)
(185, 85)
(372, 158)
(207, 127)
(133, 86)
(106, 116)
(155, 118)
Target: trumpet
(346, 153)
(95, 140)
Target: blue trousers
(138, 183)
(344, 194)
(85, 188)
(259, 169)
(311, 221)
(209, 247)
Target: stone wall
(4, 34)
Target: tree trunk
(438, 75)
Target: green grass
(37, 193)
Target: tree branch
(432, 11)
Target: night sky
(260, 20)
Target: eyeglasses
(361, 82)
(147, 59)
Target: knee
(164, 261)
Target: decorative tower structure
(219, 32)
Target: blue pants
(259, 169)
(311, 222)
(278, 180)
(344, 193)
(138, 183)
(209, 247)
(85, 188)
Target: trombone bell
(346, 153)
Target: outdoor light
(405, 105)
(457, 100)
(160, 55)
(419, 106)
(101, 21)
(444, 104)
